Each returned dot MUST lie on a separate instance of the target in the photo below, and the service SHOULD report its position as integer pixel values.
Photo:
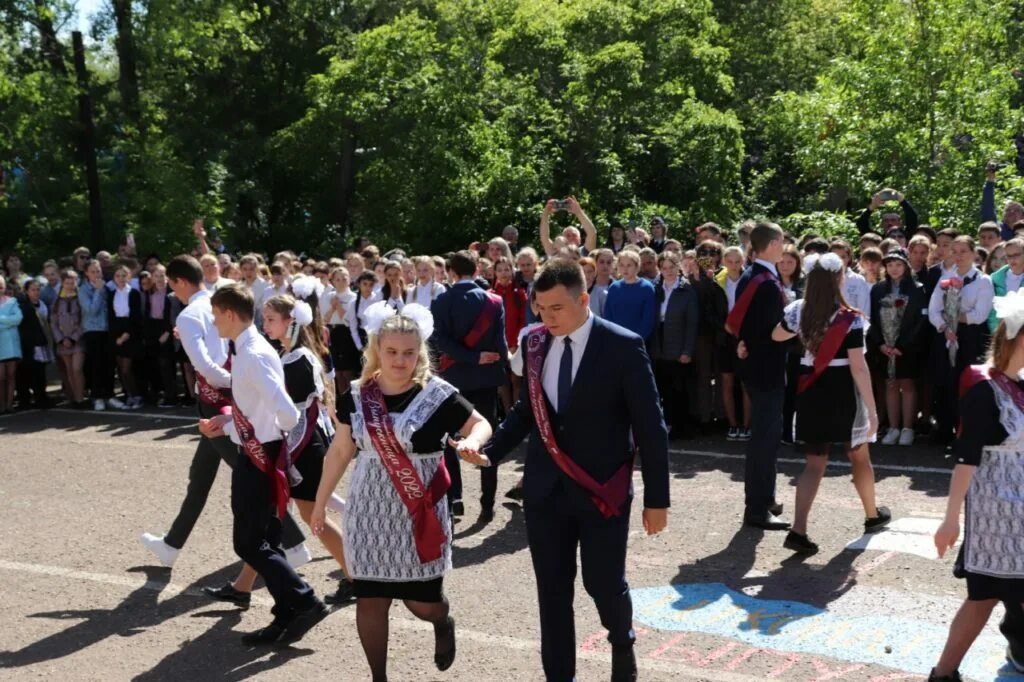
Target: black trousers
(789, 399)
(257, 536)
(158, 368)
(201, 475)
(763, 447)
(100, 364)
(30, 381)
(485, 401)
(672, 378)
(554, 529)
(1012, 628)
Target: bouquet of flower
(951, 311)
(891, 313)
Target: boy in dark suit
(469, 335)
(590, 385)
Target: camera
(888, 195)
(993, 166)
(561, 204)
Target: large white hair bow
(1010, 309)
(302, 316)
(375, 316)
(304, 285)
(825, 261)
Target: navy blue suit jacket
(765, 365)
(613, 393)
(455, 312)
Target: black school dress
(830, 412)
(303, 379)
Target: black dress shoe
(879, 521)
(345, 593)
(444, 660)
(486, 515)
(228, 593)
(801, 544)
(264, 636)
(623, 665)
(458, 509)
(303, 622)
(955, 677)
(765, 521)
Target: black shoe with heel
(444, 660)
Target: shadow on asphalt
(508, 539)
(114, 424)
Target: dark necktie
(565, 376)
(231, 348)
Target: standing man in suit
(590, 385)
(762, 367)
(469, 335)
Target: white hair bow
(825, 261)
(304, 285)
(302, 316)
(1010, 309)
(375, 316)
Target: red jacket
(515, 300)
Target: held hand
(899, 197)
(655, 520)
(549, 207)
(963, 318)
(469, 450)
(684, 359)
(164, 337)
(177, 334)
(946, 536)
(886, 350)
(741, 350)
(489, 358)
(68, 343)
(574, 206)
(950, 335)
(317, 519)
(896, 352)
(876, 200)
(214, 426)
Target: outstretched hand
(655, 520)
(469, 450)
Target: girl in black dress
(791, 274)
(989, 474)
(124, 315)
(835, 405)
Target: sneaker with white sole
(298, 556)
(117, 404)
(164, 552)
(99, 405)
(891, 437)
(907, 437)
(135, 402)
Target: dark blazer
(914, 318)
(134, 313)
(147, 299)
(612, 395)
(765, 365)
(30, 329)
(714, 307)
(931, 279)
(455, 312)
(677, 335)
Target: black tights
(372, 624)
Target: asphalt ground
(83, 600)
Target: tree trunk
(53, 51)
(128, 78)
(346, 179)
(87, 143)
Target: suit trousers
(485, 401)
(1012, 628)
(554, 529)
(201, 475)
(257, 536)
(763, 447)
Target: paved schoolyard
(82, 599)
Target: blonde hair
(396, 324)
(631, 256)
(1001, 349)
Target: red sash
(734, 321)
(429, 535)
(218, 398)
(312, 417)
(608, 496)
(492, 304)
(276, 470)
(830, 345)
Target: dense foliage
(429, 123)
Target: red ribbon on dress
(608, 496)
(734, 322)
(830, 345)
(275, 470)
(492, 304)
(419, 502)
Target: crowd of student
(96, 318)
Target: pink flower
(954, 282)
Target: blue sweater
(632, 306)
(94, 307)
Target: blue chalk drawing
(792, 626)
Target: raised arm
(589, 231)
(545, 227)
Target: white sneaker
(336, 503)
(164, 552)
(117, 404)
(298, 556)
(891, 437)
(907, 437)
(135, 402)
(99, 405)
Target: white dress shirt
(730, 291)
(770, 266)
(975, 299)
(121, 301)
(668, 289)
(257, 384)
(553, 361)
(350, 315)
(205, 349)
(1013, 281)
(858, 292)
(329, 316)
(424, 294)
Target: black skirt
(825, 412)
(429, 591)
(347, 357)
(131, 348)
(310, 465)
(727, 359)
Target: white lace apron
(378, 531)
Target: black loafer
(443, 661)
(458, 509)
(623, 665)
(264, 636)
(955, 677)
(486, 515)
(801, 544)
(877, 523)
(228, 593)
(345, 593)
(303, 622)
(766, 521)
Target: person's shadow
(509, 539)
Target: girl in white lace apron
(835, 405)
(398, 417)
(989, 476)
(291, 323)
